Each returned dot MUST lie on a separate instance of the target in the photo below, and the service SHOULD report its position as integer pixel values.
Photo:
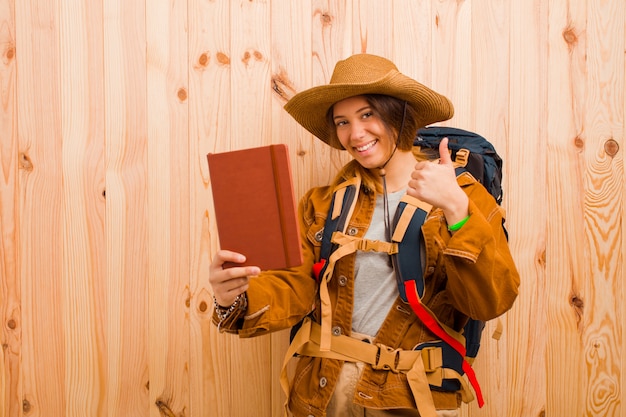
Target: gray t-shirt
(375, 288)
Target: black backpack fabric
(483, 162)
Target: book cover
(254, 204)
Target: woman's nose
(357, 131)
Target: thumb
(444, 154)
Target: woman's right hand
(228, 283)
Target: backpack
(472, 153)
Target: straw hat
(365, 74)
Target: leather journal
(254, 204)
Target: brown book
(255, 207)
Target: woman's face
(362, 132)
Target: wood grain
(10, 288)
(125, 189)
(41, 209)
(250, 113)
(168, 207)
(209, 127)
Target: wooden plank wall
(108, 109)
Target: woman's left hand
(435, 184)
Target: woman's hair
(395, 114)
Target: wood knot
(222, 58)
(326, 19)
(203, 307)
(578, 306)
(25, 162)
(203, 60)
(164, 409)
(10, 53)
(611, 147)
(282, 86)
(26, 407)
(570, 37)
(246, 58)
(576, 302)
(11, 324)
(579, 143)
(182, 94)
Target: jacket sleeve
(482, 279)
(279, 299)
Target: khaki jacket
(468, 274)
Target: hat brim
(309, 107)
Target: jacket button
(343, 281)
(319, 235)
(430, 270)
(353, 231)
(323, 381)
(336, 331)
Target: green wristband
(456, 226)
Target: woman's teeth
(366, 146)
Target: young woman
(360, 351)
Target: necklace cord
(383, 175)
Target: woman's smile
(367, 146)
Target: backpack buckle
(386, 358)
(462, 157)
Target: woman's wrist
(456, 226)
(457, 208)
(240, 303)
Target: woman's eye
(341, 123)
(367, 115)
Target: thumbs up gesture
(434, 182)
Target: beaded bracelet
(224, 312)
(456, 226)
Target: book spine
(282, 180)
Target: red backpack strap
(424, 314)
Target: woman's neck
(398, 170)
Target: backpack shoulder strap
(407, 233)
(341, 209)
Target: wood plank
(604, 193)
(490, 103)
(622, 380)
(168, 207)
(331, 41)
(566, 190)
(10, 294)
(291, 73)
(126, 195)
(412, 35)
(83, 284)
(452, 48)
(291, 66)
(209, 127)
(40, 207)
(250, 116)
(372, 28)
(525, 344)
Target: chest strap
(423, 368)
(346, 245)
